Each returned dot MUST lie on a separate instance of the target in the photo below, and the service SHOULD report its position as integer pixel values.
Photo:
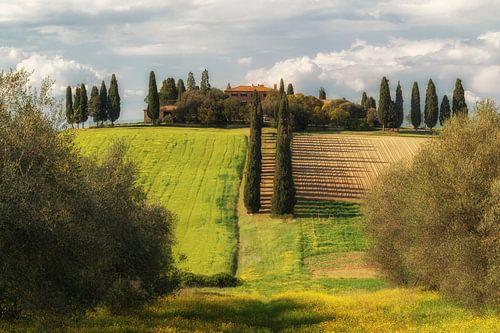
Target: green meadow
(303, 274)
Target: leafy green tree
(289, 90)
(415, 111)
(204, 83)
(283, 200)
(113, 100)
(181, 89)
(84, 105)
(444, 110)
(398, 107)
(459, 106)
(168, 92)
(153, 98)
(251, 194)
(95, 105)
(322, 93)
(191, 83)
(103, 97)
(76, 107)
(69, 106)
(371, 102)
(431, 110)
(384, 103)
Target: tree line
(103, 105)
(390, 113)
(283, 198)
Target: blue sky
(345, 46)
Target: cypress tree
(76, 107)
(181, 89)
(322, 93)
(162, 95)
(103, 97)
(95, 105)
(372, 103)
(415, 111)
(431, 110)
(204, 83)
(153, 99)
(251, 194)
(289, 89)
(283, 200)
(191, 83)
(113, 100)
(458, 100)
(398, 107)
(84, 105)
(444, 110)
(384, 103)
(282, 88)
(364, 100)
(171, 91)
(69, 106)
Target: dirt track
(333, 167)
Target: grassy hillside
(195, 173)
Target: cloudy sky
(345, 46)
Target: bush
(75, 233)
(435, 222)
(221, 280)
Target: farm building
(245, 93)
(165, 110)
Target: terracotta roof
(251, 88)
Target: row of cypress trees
(283, 200)
(103, 105)
(391, 115)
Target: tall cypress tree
(181, 89)
(113, 100)
(153, 99)
(371, 103)
(459, 106)
(283, 200)
(103, 97)
(69, 106)
(191, 83)
(431, 110)
(384, 103)
(95, 105)
(76, 107)
(251, 194)
(415, 111)
(364, 100)
(444, 110)
(289, 89)
(162, 94)
(322, 93)
(84, 105)
(398, 107)
(204, 83)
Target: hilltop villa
(245, 93)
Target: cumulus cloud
(245, 61)
(361, 66)
(132, 92)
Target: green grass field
(306, 274)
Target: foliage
(153, 99)
(103, 97)
(289, 89)
(168, 92)
(191, 83)
(204, 83)
(458, 99)
(95, 104)
(301, 108)
(444, 110)
(188, 105)
(76, 107)
(114, 100)
(181, 89)
(69, 106)
(283, 199)
(434, 222)
(73, 230)
(220, 280)
(431, 109)
(384, 102)
(251, 193)
(398, 108)
(322, 93)
(415, 111)
(83, 109)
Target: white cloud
(131, 92)
(361, 66)
(245, 61)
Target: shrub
(434, 222)
(220, 280)
(75, 233)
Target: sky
(344, 46)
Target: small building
(245, 93)
(165, 111)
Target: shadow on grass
(310, 208)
